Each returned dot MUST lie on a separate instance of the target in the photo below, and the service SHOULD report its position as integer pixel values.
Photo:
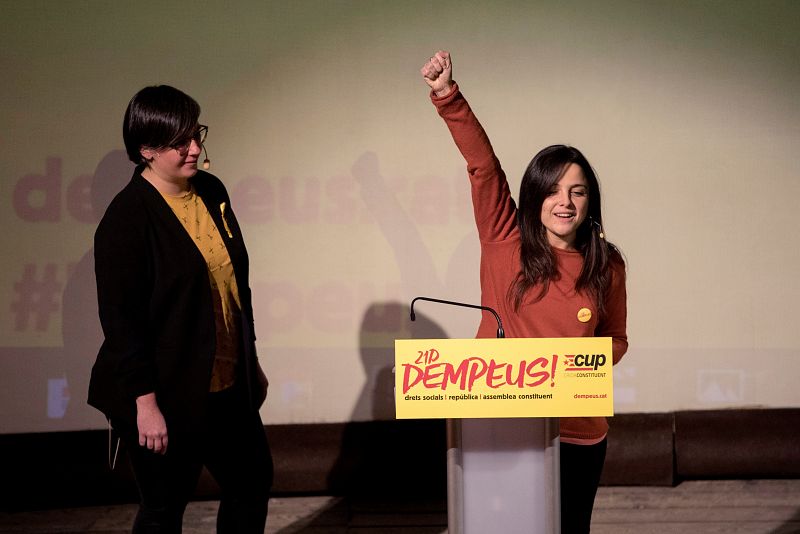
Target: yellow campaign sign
(514, 377)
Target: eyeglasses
(198, 137)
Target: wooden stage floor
(693, 507)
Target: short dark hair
(157, 117)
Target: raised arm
(495, 210)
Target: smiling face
(565, 208)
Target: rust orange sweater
(556, 314)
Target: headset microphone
(206, 162)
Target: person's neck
(167, 186)
(561, 244)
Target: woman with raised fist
(546, 267)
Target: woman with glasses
(177, 374)
(546, 267)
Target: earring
(599, 228)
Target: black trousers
(581, 467)
(232, 445)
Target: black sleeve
(122, 268)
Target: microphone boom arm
(500, 332)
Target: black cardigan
(155, 305)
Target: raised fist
(438, 73)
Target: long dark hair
(537, 259)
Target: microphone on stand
(500, 332)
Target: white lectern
(502, 399)
(503, 476)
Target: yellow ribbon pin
(225, 222)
